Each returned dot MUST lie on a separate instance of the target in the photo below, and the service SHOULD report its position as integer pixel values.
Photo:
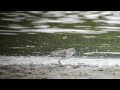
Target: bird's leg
(59, 62)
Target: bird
(64, 54)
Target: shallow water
(93, 34)
(45, 60)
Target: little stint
(64, 54)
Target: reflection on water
(91, 33)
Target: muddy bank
(58, 72)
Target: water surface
(37, 33)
